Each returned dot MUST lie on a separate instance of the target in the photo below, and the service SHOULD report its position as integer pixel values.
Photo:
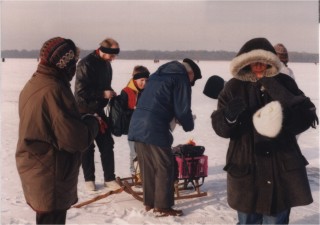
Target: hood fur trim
(240, 69)
(268, 120)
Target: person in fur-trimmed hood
(261, 110)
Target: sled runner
(191, 167)
(98, 198)
(128, 183)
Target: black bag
(189, 150)
(119, 118)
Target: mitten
(92, 122)
(268, 120)
(234, 108)
(315, 122)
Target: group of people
(260, 110)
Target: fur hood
(255, 50)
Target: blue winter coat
(167, 95)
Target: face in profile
(108, 57)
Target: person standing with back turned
(52, 134)
(167, 95)
(261, 110)
(92, 92)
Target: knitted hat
(195, 68)
(140, 72)
(141, 75)
(255, 50)
(213, 86)
(282, 53)
(59, 53)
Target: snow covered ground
(123, 208)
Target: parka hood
(255, 50)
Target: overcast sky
(161, 25)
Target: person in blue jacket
(166, 96)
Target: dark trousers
(157, 171)
(105, 145)
(54, 217)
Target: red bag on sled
(190, 162)
(192, 167)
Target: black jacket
(93, 76)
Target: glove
(234, 108)
(103, 126)
(91, 121)
(315, 122)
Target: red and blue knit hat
(59, 53)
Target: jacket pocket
(294, 163)
(238, 171)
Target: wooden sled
(182, 189)
(189, 170)
(181, 186)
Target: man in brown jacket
(52, 134)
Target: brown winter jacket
(51, 139)
(266, 168)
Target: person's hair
(188, 67)
(140, 72)
(139, 69)
(108, 42)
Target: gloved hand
(92, 121)
(102, 124)
(234, 108)
(315, 122)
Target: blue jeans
(256, 218)
(132, 156)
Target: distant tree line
(168, 55)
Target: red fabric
(132, 97)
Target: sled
(191, 170)
(190, 177)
